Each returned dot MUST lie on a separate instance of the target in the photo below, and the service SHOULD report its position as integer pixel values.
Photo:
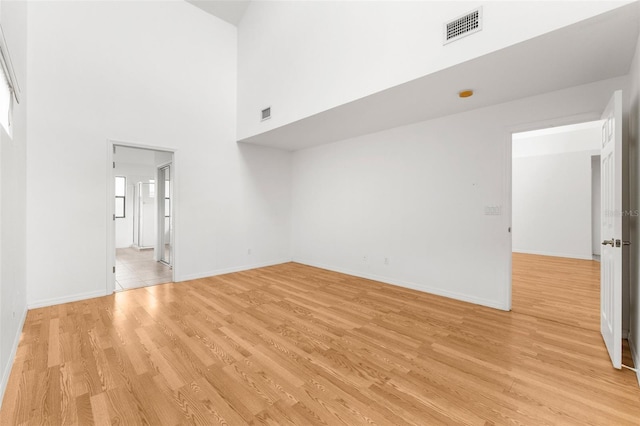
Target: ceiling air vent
(266, 113)
(463, 26)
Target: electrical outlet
(493, 210)
(248, 251)
(364, 258)
(386, 260)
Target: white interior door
(611, 230)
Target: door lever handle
(608, 242)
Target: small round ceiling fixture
(465, 93)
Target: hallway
(137, 268)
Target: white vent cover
(463, 26)
(266, 113)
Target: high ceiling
(595, 49)
(228, 10)
(598, 48)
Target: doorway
(141, 233)
(555, 236)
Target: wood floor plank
(84, 411)
(296, 345)
(100, 410)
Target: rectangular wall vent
(463, 26)
(266, 113)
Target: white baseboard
(90, 295)
(635, 355)
(65, 299)
(544, 253)
(12, 356)
(230, 270)
(414, 286)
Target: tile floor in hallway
(136, 268)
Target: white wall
(634, 207)
(13, 281)
(417, 194)
(552, 194)
(154, 73)
(302, 58)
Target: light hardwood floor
(296, 345)
(558, 289)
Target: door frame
(110, 277)
(508, 187)
(160, 226)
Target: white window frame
(124, 198)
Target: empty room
(319, 212)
